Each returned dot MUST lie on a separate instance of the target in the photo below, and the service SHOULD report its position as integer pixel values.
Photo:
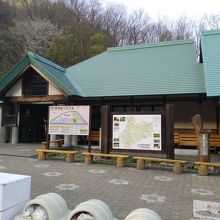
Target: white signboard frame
(137, 132)
(69, 120)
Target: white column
(53, 137)
(14, 135)
(67, 140)
(2, 129)
(74, 140)
(2, 134)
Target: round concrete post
(74, 140)
(2, 135)
(96, 209)
(67, 140)
(14, 135)
(142, 214)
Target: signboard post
(69, 120)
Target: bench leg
(177, 168)
(88, 159)
(41, 155)
(140, 164)
(203, 170)
(120, 162)
(69, 158)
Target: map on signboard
(141, 132)
(69, 118)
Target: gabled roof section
(210, 41)
(52, 71)
(148, 69)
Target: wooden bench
(188, 140)
(119, 163)
(203, 167)
(214, 141)
(57, 143)
(94, 136)
(42, 153)
(177, 164)
(176, 138)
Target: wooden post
(105, 129)
(120, 162)
(203, 148)
(88, 159)
(140, 164)
(202, 170)
(69, 158)
(47, 130)
(217, 117)
(170, 131)
(177, 168)
(90, 132)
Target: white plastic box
(14, 194)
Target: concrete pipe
(143, 214)
(50, 206)
(92, 209)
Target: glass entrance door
(33, 119)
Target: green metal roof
(149, 69)
(210, 41)
(52, 71)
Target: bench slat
(159, 160)
(207, 164)
(56, 151)
(105, 155)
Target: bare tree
(38, 34)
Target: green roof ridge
(211, 32)
(149, 45)
(50, 76)
(44, 60)
(77, 87)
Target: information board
(69, 120)
(137, 132)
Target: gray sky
(173, 8)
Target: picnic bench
(177, 164)
(120, 162)
(191, 140)
(42, 153)
(203, 167)
(57, 143)
(94, 136)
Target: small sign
(69, 120)
(206, 209)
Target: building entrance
(33, 119)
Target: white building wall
(53, 90)
(15, 90)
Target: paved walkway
(124, 190)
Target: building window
(34, 84)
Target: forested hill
(69, 31)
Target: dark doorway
(33, 119)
